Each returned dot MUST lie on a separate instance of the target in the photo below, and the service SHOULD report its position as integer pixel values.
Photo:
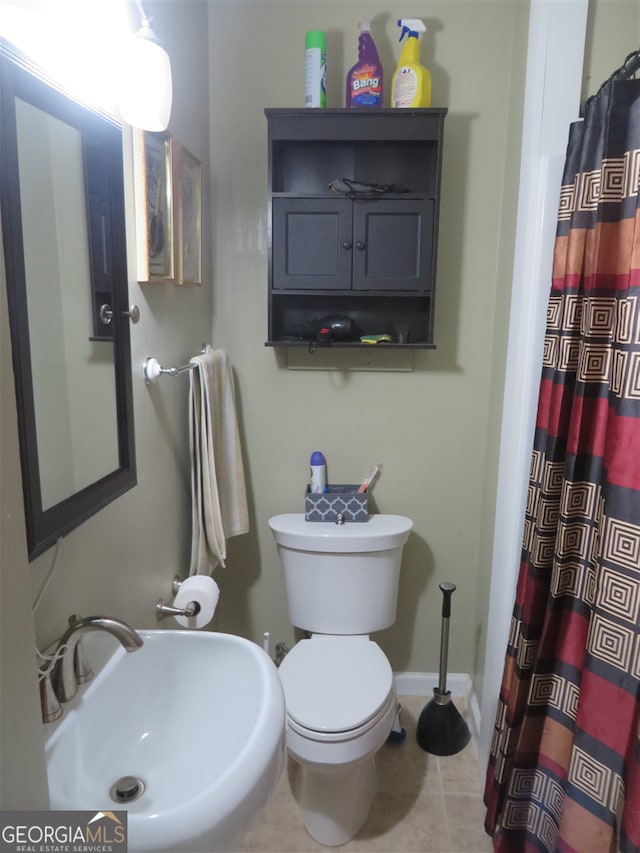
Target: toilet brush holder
(441, 729)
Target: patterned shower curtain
(564, 769)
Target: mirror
(63, 224)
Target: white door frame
(555, 56)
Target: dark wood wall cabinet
(353, 224)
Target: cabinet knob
(346, 244)
(360, 245)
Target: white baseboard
(474, 711)
(423, 684)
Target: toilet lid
(334, 684)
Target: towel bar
(152, 369)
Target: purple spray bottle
(364, 80)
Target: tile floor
(425, 803)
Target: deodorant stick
(318, 476)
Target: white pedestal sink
(196, 717)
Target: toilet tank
(341, 578)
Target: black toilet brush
(441, 729)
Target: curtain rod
(628, 68)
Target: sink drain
(127, 789)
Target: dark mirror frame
(103, 138)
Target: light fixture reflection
(53, 34)
(146, 93)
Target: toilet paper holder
(163, 610)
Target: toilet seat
(336, 686)
(320, 737)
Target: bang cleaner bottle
(364, 80)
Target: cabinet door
(392, 244)
(312, 243)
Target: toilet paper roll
(205, 591)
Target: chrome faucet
(71, 669)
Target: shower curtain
(564, 768)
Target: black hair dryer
(336, 327)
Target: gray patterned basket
(353, 505)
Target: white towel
(218, 491)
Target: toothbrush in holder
(368, 480)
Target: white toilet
(342, 584)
